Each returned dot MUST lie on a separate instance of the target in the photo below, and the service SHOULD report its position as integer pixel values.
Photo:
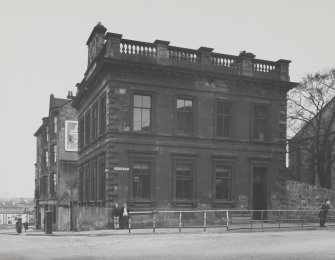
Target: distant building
(11, 210)
(164, 127)
(56, 170)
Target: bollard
(227, 216)
(205, 220)
(48, 222)
(154, 223)
(129, 223)
(179, 221)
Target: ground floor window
(223, 182)
(141, 180)
(92, 180)
(184, 181)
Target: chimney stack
(95, 42)
(70, 95)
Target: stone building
(55, 167)
(164, 127)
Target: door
(259, 189)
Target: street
(302, 244)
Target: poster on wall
(71, 136)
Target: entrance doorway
(259, 190)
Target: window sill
(142, 132)
(261, 141)
(223, 204)
(183, 203)
(221, 138)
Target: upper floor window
(81, 184)
(93, 181)
(95, 121)
(142, 113)
(54, 153)
(87, 128)
(184, 181)
(224, 119)
(185, 116)
(47, 158)
(47, 133)
(101, 179)
(223, 182)
(81, 133)
(53, 182)
(102, 116)
(261, 122)
(55, 124)
(141, 180)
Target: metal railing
(228, 219)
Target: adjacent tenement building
(164, 127)
(55, 167)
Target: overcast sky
(43, 51)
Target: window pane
(222, 189)
(146, 101)
(142, 113)
(137, 119)
(137, 165)
(145, 119)
(223, 182)
(180, 121)
(137, 101)
(141, 180)
(219, 125)
(180, 103)
(260, 122)
(188, 105)
(184, 189)
(228, 108)
(184, 180)
(261, 112)
(188, 123)
(227, 126)
(219, 108)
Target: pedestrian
(25, 225)
(116, 216)
(18, 225)
(124, 216)
(325, 208)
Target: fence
(227, 219)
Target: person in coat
(325, 208)
(124, 216)
(18, 225)
(116, 216)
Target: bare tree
(311, 119)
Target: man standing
(116, 216)
(325, 208)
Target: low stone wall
(92, 218)
(64, 222)
(302, 196)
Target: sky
(43, 51)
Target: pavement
(215, 243)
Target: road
(302, 244)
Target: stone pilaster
(162, 51)
(113, 41)
(205, 56)
(246, 59)
(283, 69)
(95, 42)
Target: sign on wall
(71, 136)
